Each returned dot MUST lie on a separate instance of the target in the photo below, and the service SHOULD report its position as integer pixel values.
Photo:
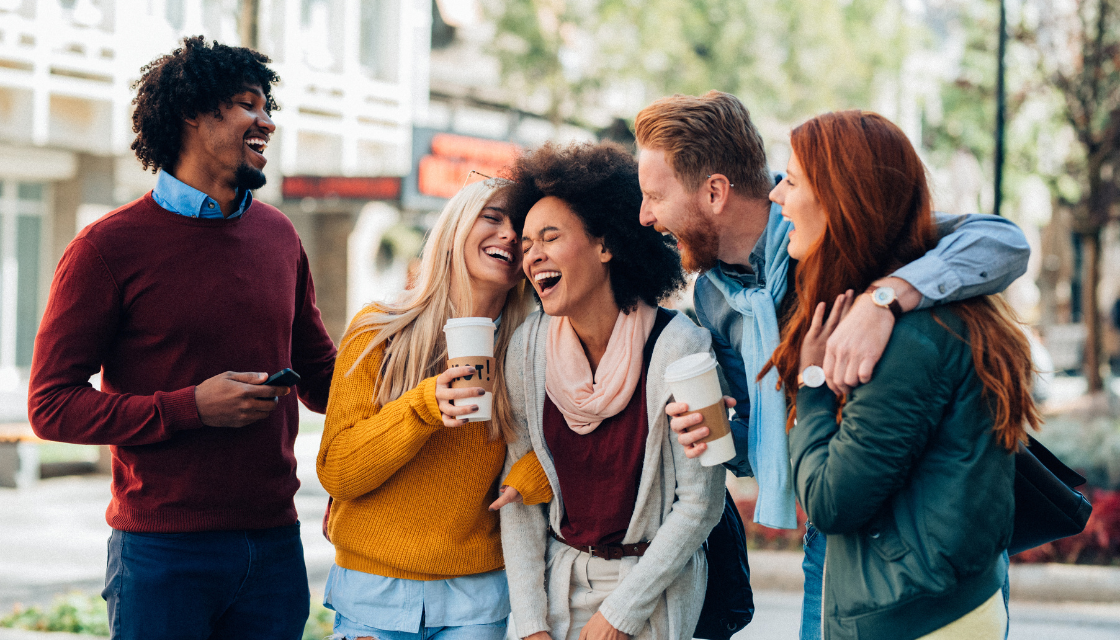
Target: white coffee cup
(694, 381)
(470, 342)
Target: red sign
(443, 173)
(348, 188)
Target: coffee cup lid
(458, 323)
(689, 367)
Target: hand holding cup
(454, 403)
(470, 350)
(690, 427)
(694, 382)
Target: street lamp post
(1001, 108)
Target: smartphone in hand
(282, 378)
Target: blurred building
(354, 77)
(365, 153)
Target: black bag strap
(664, 317)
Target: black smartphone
(282, 378)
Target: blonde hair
(412, 327)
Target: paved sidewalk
(53, 536)
(53, 539)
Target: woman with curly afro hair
(619, 547)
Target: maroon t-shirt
(599, 472)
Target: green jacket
(911, 488)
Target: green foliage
(73, 613)
(320, 623)
(968, 106)
(787, 60)
(85, 613)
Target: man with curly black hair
(183, 300)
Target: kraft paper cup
(470, 342)
(694, 381)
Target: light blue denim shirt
(183, 199)
(976, 255)
(398, 604)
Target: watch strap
(895, 308)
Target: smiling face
(670, 207)
(800, 206)
(232, 146)
(491, 251)
(566, 265)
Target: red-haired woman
(911, 476)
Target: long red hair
(872, 187)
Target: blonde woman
(417, 551)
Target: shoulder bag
(1047, 507)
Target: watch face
(883, 296)
(812, 376)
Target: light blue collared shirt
(398, 604)
(183, 199)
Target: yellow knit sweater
(411, 497)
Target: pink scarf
(584, 400)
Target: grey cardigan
(661, 593)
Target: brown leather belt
(606, 551)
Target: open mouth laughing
(546, 280)
(499, 254)
(257, 144)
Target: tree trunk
(1090, 312)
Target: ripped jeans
(350, 630)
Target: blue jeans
(346, 628)
(813, 566)
(212, 584)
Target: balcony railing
(92, 50)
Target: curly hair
(194, 79)
(599, 183)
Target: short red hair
(705, 135)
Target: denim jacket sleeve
(976, 255)
(734, 372)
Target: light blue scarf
(768, 446)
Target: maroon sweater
(599, 472)
(159, 302)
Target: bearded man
(705, 179)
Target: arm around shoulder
(976, 255)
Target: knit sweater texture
(158, 303)
(411, 497)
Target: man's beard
(247, 177)
(699, 242)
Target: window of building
(22, 208)
(379, 43)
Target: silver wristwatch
(812, 376)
